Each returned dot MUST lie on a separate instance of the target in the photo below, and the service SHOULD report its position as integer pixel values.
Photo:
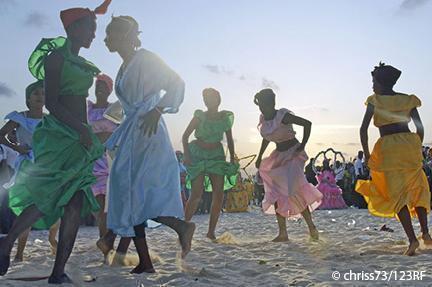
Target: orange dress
(397, 176)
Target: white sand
(245, 255)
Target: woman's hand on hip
(150, 122)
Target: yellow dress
(395, 164)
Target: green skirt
(61, 167)
(210, 162)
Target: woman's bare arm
(364, 130)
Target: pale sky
(316, 54)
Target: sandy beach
(245, 256)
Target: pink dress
(332, 194)
(283, 172)
(100, 124)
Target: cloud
(5, 91)
(218, 70)
(6, 4)
(412, 4)
(36, 19)
(266, 83)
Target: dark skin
(212, 103)
(267, 108)
(72, 111)
(120, 42)
(269, 112)
(116, 42)
(404, 214)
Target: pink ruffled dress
(100, 124)
(332, 194)
(283, 172)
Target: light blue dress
(144, 180)
(24, 135)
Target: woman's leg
(52, 237)
(26, 219)
(101, 216)
(405, 219)
(194, 199)
(145, 264)
(106, 243)
(22, 241)
(422, 216)
(185, 231)
(68, 231)
(123, 245)
(283, 234)
(217, 182)
(312, 229)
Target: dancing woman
(58, 182)
(144, 181)
(205, 156)
(399, 186)
(286, 190)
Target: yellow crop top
(392, 109)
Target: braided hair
(129, 27)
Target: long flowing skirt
(286, 185)
(397, 176)
(144, 181)
(61, 167)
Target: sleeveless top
(97, 120)
(212, 130)
(274, 130)
(77, 73)
(392, 109)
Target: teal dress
(62, 165)
(211, 161)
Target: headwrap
(71, 15)
(386, 75)
(107, 80)
(32, 87)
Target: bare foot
(18, 258)
(53, 279)
(412, 248)
(427, 240)
(211, 236)
(185, 238)
(281, 238)
(142, 269)
(4, 259)
(314, 234)
(104, 245)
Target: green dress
(62, 166)
(211, 161)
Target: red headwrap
(107, 80)
(69, 16)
